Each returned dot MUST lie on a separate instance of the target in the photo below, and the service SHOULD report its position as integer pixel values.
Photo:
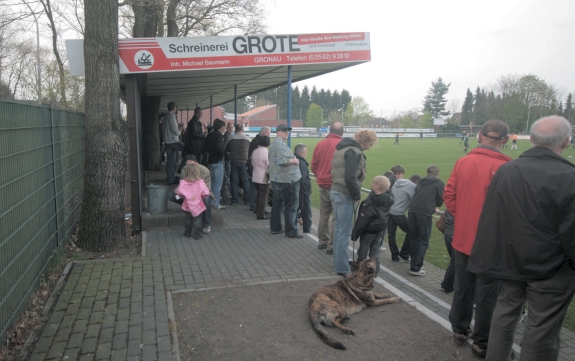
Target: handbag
(440, 224)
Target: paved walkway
(118, 309)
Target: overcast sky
(414, 42)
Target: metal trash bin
(157, 199)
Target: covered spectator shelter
(210, 71)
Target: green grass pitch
(415, 157)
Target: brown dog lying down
(330, 305)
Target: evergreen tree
(467, 108)
(568, 112)
(305, 102)
(345, 99)
(560, 109)
(314, 95)
(435, 101)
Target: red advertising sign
(216, 52)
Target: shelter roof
(213, 70)
(188, 88)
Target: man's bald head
(553, 132)
(337, 129)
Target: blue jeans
(217, 176)
(343, 210)
(240, 170)
(286, 198)
(172, 152)
(207, 214)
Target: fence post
(54, 176)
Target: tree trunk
(171, 18)
(102, 224)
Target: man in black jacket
(214, 147)
(195, 136)
(526, 237)
(428, 195)
(300, 153)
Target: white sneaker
(207, 230)
(417, 273)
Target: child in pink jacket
(192, 188)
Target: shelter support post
(134, 120)
(289, 103)
(235, 104)
(210, 110)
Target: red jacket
(465, 192)
(321, 160)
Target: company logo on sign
(144, 59)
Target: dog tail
(322, 333)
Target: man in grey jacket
(171, 141)
(402, 190)
(237, 150)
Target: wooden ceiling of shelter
(191, 87)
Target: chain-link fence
(42, 153)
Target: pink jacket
(260, 163)
(193, 192)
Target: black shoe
(299, 236)
(478, 352)
(460, 338)
(322, 246)
(395, 260)
(187, 234)
(264, 218)
(329, 251)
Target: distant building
(258, 117)
(184, 115)
(265, 116)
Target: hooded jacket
(403, 190)
(322, 158)
(304, 181)
(372, 215)
(348, 168)
(465, 192)
(428, 195)
(193, 192)
(526, 231)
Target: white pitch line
(426, 311)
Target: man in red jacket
(464, 197)
(321, 168)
